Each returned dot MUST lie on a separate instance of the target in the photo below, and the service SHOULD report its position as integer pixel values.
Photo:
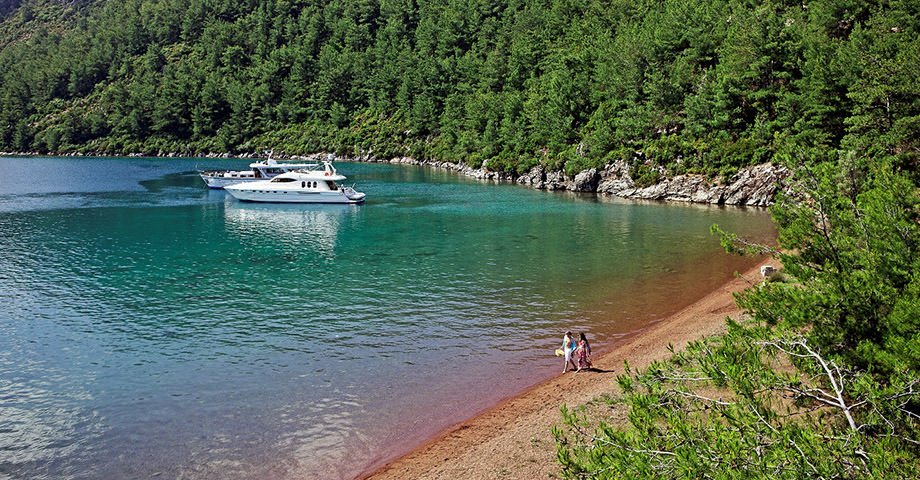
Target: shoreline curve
(514, 438)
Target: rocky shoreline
(754, 186)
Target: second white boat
(299, 186)
(258, 171)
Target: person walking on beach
(568, 346)
(583, 353)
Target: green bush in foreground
(750, 404)
(822, 380)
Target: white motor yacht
(261, 170)
(314, 185)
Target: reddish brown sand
(514, 439)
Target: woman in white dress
(568, 346)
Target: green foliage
(750, 404)
(777, 277)
(856, 244)
(698, 86)
(822, 380)
(574, 161)
(643, 174)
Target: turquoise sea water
(152, 327)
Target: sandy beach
(514, 439)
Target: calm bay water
(149, 326)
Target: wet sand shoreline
(514, 438)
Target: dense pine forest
(696, 86)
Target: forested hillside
(695, 85)
(7, 6)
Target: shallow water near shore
(152, 327)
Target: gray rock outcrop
(586, 181)
(752, 186)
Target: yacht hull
(218, 181)
(246, 194)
